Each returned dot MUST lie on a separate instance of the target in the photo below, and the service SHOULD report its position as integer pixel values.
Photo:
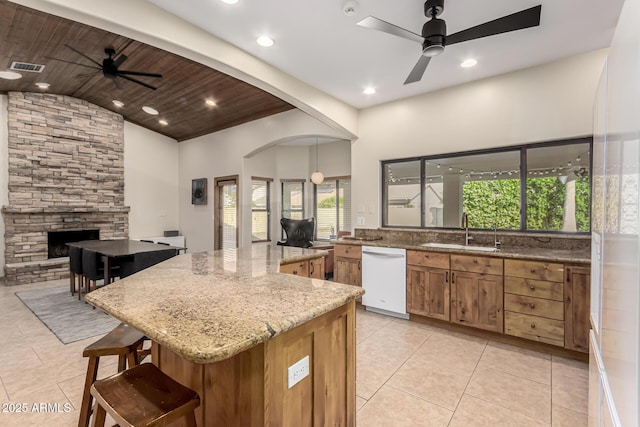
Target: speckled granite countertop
(539, 254)
(210, 306)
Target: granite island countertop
(210, 306)
(539, 254)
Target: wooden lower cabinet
(428, 292)
(313, 268)
(577, 307)
(347, 265)
(477, 300)
(250, 389)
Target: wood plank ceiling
(31, 36)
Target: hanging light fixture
(317, 177)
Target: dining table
(111, 250)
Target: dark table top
(120, 248)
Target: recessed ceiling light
(210, 102)
(265, 41)
(117, 103)
(10, 75)
(369, 90)
(230, 1)
(43, 85)
(150, 110)
(467, 63)
(163, 122)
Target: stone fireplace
(57, 240)
(66, 173)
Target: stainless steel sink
(459, 247)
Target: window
(260, 209)
(332, 207)
(292, 200)
(537, 187)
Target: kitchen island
(228, 325)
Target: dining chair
(75, 269)
(93, 270)
(144, 260)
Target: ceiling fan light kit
(434, 35)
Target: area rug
(69, 319)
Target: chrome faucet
(465, 225)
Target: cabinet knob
(533, 325)
(533, 270)
(426, 256)
(533, 288)
(295, 271)
(475, 261)
(532, 306)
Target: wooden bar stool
(123, 341)
(143, 396)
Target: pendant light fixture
(317, 177)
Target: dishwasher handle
(383, 254)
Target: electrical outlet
(298, 371)
(360, 220)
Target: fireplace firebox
(57, 240)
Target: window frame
(337, 180)
(522, 149)
(268, 182)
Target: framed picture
(199, 191)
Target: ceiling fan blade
(418, 70)
(138, 81)
(118, 62)
(85, 56)
(117, 82)
(517, 21)
(139, 73)
(74, 63)
(384, 26)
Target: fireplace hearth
(57, 240)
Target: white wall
(542, 103)
(4, 171)
(222, 154)
(150, 181)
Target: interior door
(226, 212)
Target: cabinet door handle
(295, 272)
(453, 277)
(446, 277)
(359, 265)
(312, 268)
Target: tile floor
(407, 375)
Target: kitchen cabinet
(347, 267)
(477, 288)
(534, 301)
(313, 268)
(577, 307)
(428, 288)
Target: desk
(113, 249)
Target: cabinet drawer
(534, 270)
(534, 328)
(534, 288)
(477, 264)
(348, 251)
(296, 268)
(534, 306)
(428, 259)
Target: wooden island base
(250, 388)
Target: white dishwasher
(384, 278)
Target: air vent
(25, 66)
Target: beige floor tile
(474, 412)
(455, 352)
(368, 323)
(519, 394)
(562, 417)
(72, 389)
(359, 403)
(404, 331)
(570, 392)
(532, 365)
(371, 374)
(387, 347)
(440, 386)
(569, 368)
(20, 359)
(391, 407)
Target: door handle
(453, 277)
(312, 268)
(446, 277)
